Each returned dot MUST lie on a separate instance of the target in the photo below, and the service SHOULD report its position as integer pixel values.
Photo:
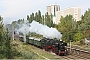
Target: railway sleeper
(73, 51)
(86, 54)
(83, 53)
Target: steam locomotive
(56, 46)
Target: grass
(30, 52)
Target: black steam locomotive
(56, 46)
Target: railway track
(75, 54)
(70, 57)
(80, 53)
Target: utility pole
(70, 45)
(24, 31)
(70, 37)
(44, 21)
(13, 32)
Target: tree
(36, 16)
(78, 36)
(87, 33)
(27, 17)
(48, 20)
(39, 16)
(7, 44)
(33, 16)
(67, 27)
(1, 38)
(43, 20)
(14, 24)
(51, 21)
(5, 48)
(85, 23)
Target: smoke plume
(41, 29)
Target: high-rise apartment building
(74, 11)
(52, 9)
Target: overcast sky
(16, 9)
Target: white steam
(41, 29)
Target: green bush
(81, 42)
